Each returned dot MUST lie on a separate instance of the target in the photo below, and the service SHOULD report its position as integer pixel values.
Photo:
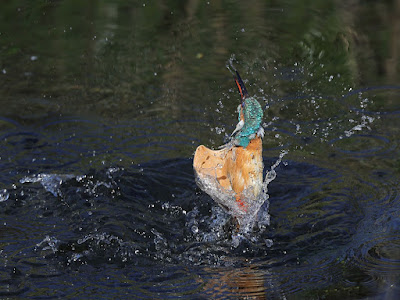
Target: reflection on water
(103, 105)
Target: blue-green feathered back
(253, 114)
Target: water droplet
(268, 242)
(219, 130)
(4, 195)
(195, 229)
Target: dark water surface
(103, 104)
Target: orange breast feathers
(235, 168)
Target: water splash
(249, 219)
(229, 65)
(53, 182)
(364, 123)
(49, 243)
(50, 182)
(246, 218)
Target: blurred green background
(126, 59)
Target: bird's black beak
(241, 87)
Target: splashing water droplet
(219, 130)
(195, 229)
(269, 243)
(249, 216)
(51, 182)
(4, 195)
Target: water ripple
(372, 99)
(363, 145)
(152, 215)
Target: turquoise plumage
(233, 175)
(252, 115)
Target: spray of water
(247, 218)
(230, 66)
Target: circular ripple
(7, 124)
(363, 145)
(374, 100)
(381, 255)
(24, 140)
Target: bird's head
(250, 116)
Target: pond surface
(103, 104)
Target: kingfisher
(233, 174)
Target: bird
(233, 174)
